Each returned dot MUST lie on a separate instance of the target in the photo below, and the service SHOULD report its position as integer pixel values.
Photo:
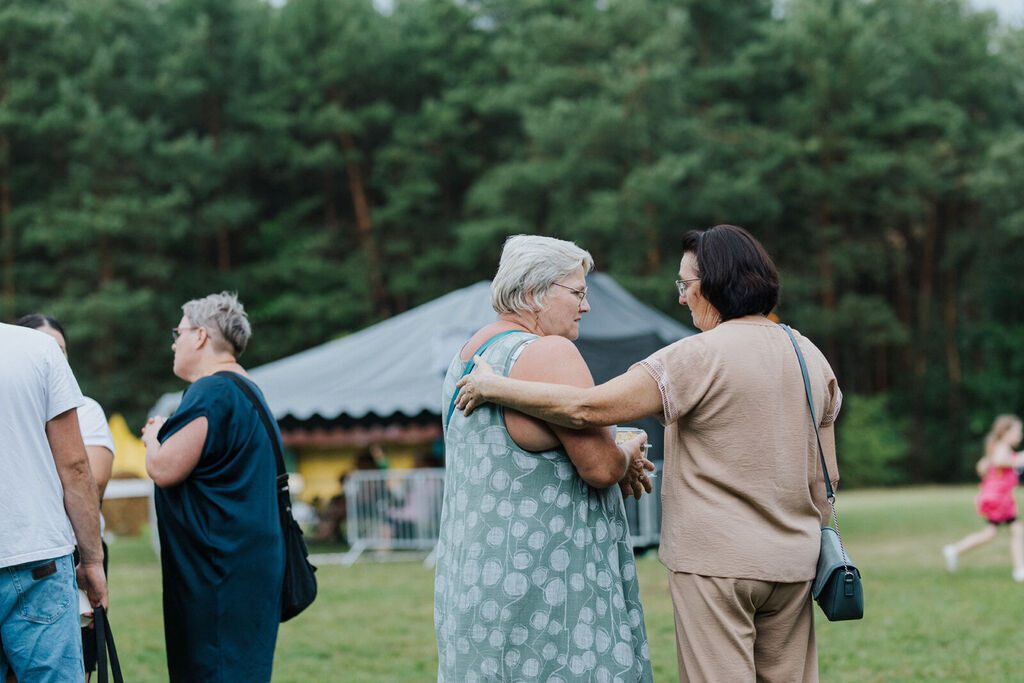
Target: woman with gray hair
(221, 546)
(535, 575)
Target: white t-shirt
(36, 385)
(93, 423)
(95, 432)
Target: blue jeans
(40, 638)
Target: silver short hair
(224, 314)
(530, 264)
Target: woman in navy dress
(221, 544)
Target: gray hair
(224, 314)
(530, 264)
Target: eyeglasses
(581, 294)
(176, 331)
(683, 285)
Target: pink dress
(995, 502)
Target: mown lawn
(373, 621)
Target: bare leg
(974, 540)
(1017, 547)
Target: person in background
(743, 492)
(998, 471)
(331, 526)
(535, 575)
(420, 501)
(99, 447)
(48, 503)
(221, 544)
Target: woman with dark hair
(99, 446)
(743, 493)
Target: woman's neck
(754, 318)
(520, 321)
(218, 364)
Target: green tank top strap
(469, 368)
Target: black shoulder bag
(299, 588)
(836, 587)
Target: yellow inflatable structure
(130, 453)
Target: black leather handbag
(299, 588)
(837, 587)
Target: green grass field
(373, 621)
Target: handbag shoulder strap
(469, 368)
(814, 418)
(282, 475)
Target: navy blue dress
(221, 545)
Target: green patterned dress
(535, 573)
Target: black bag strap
(283, 494)
(814, 417)
(105, 642)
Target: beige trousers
(738, 630)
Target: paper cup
(624, 434)
(84, 608)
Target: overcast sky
(1012, 11)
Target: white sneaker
(1018, 575)
(949, 552)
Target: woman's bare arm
(1004, 456)
(171, 462)
(623, 399)
(101, 461)
(598, 459)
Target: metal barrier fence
(393, 510)
(644, 515)
(401, 510)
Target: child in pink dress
(998, 472)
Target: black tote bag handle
(105, 644)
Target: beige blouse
(743, 494)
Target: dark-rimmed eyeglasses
(176, 331)
(581, 294)
(683, 285)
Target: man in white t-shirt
(48, 501)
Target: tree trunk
(918, 357)
(654, 254)
(826, 277)
(881, 383)
(106, 262)
(332, 222)
(926, 285)
(954, 367)
(6, 229)
(213, 127)
(364, 222)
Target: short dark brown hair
(737, 276)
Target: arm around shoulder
(558, 400)
(598, 459)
